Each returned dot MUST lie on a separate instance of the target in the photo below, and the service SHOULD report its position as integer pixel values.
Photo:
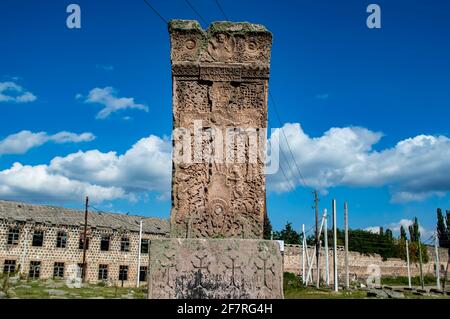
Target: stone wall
(24, 253)
(360, 265)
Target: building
(47, 242)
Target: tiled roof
(53, 215)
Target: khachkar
(220, 86)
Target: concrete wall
(48, 254)
(360, 265)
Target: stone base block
(215, 269)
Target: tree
(388, 234)
(288, 234)
(267, 228)
(402, 233)
(441, 228)
(414, 232)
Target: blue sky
(378, 87)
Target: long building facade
(42, 242)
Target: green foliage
(443, 229)
(267, 227)
(414, 232)
(402, 233)
(288, 234)
(415, 281)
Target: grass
(57, 289)
(294, 289)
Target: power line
(196, 12)
(156, 12)
(302, 179)
(221, 10)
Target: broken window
(81, 243)
(35, 269)
(38, 238)
(104, 243)
(9, 266)
(13, 236)
(123, 273)
(58, 270)
(61, 239)
(102, 272)
(143, 273)
(125, 244)
(144, 246)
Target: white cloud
(373, 229)
(23, 141)
(36, 183)
(108, 98)
(13, 92)
(414, 169)
(395, 227)
(145, 167)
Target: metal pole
(303, 253)
(436, 252)
(316, 206)
(325, 237)
(138, 280)
(336, 288)
(83, 272)
(407, 263)
(347, 277)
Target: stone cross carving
(220, 85)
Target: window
(144, 246)
(143, 273)
(61, 239)
(125, 244)
(102, 272)
(13, 236)
(81, 243)
(38, 238)
(58, 270)
(123, 273)
(9, 266)
(35, 269)
(104, 243)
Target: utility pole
(436, 252)
(347, 277)
(407, 264)
(138, 280)
(335, 274)
(83, 272)
(325, 237)
(303, 253)
(316, 207)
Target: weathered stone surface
(215, 268)
(220, 80)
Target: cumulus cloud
(395, 227)
(23, 141)
(145, 167)
(373, 229)
(414, 169)
(13, 92)
(37, 183)
(108, 98)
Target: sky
(366, 111)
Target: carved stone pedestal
(215, 269)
